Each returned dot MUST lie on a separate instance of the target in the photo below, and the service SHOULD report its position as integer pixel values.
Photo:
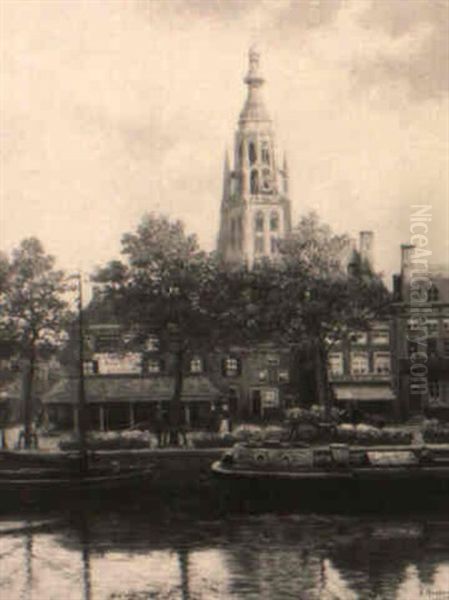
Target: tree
(33, 311)
(308, 299)
(163, 285)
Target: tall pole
(81, 388)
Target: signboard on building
(128, 363)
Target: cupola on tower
(255, 209)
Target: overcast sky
(114, 108)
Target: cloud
(111, 109)
(422, 30)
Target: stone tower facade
(255, 209)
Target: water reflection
(132, 556)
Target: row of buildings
(372, 371)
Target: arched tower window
(240, 153)
(267, 181)
(233, 233)
(239, 233)
(433, 294)
(252, 153)
(254, 181)
(265, 152)
(259, 222)
(274, 221)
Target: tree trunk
(28, 398)
(175, 414)
(321, 377)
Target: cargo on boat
(334, 463)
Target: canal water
(137, 554)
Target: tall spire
(254, 109)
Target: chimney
(406, 254)
(366, 247)
(406, 263)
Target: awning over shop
(364, 393)
(128, 389)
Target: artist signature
(436, 594)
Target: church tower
(255, 209)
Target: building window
(240, 152)
(413, 325)
(233, 234)
(274, 245)
(380, 338)
(432, 347)
(265, 153)
(231, 366)
(152, 343)
(196, 365)
(433, 294)
(259, 245)
(252, 153)
(432, 327)
(154, 367)
(259, 222)
(283, 376)
(90, 367)
(382, 363)
(270, 398)
(446, 347)
(434, 389)
(254, 181)
(359, 337)
(412, 347)
(274, 221)
(267, 181)
(335, 361)
(445, 326)
(239, 233)
(359, 363)
(273, 360)
(263, 375)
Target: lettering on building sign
(119, 364)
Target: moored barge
(277, 472)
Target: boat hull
(48, 487)
(343, 477)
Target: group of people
(171, 428)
